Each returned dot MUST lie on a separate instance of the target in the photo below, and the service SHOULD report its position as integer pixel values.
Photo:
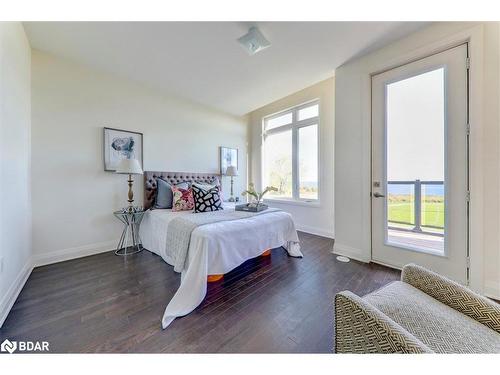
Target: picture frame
(121, 144)
(227, 156)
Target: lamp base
(231, 198)
(130, 181)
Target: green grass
(432, 213)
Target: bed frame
(150, 184)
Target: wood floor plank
(104, 303)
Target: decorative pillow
(206, 198)
(215, 182)
(164, 196)
(182, 199)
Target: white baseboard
(73, 253)
(10, 297)
(316, 231)
(349, 252)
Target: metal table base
(130, 241)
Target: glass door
(419, 164)
(415, 161)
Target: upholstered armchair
(423, 313)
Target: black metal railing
(417, 206)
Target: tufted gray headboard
(172, 178)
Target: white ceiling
(202, 62)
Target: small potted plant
(256, 204)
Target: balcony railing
(405, 206)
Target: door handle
(378, 195)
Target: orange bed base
(266, 253)
(214, 278)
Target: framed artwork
(228, 156)
(121, 144)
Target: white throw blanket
(180, 229)
(220, 245)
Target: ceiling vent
(254, 41)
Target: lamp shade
(129, 166)
(231, 171)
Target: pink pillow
(182, 199)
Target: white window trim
(295, 125)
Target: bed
(218, 242)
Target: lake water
(399, 189)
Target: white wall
(73, 198)
(312, 219)
(491, 159)
(352, 144)
(15, 196)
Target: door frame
(382, 81)
(474, 39)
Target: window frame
(294, 126)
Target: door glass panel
(415, 130)
(308, 162)
(400, 205)
(432, 207)
(278, 163)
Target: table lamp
(231, 171)
(130, 167)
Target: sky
(415, 128)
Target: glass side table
(130, 242)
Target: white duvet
(215, 248)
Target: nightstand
(130, 242)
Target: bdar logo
(8, 346)
(24, 346)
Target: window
(290, 153)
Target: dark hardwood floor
(105, 303)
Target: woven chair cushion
(454, 295)
(441, 328)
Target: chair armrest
(361, 328)
(453, 295)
